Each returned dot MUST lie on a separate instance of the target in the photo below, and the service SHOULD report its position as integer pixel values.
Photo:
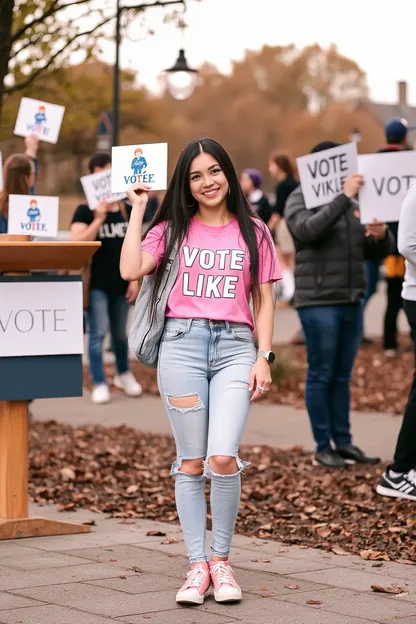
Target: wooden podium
(24, 267)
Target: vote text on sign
(147, 164)
(322, 174)
(387, 177)
(41, 318)
(97, 187)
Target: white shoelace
(411, 476)
(196, 577)
(224, 573)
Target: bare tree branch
(53, 9)
(40, 36)
(35, 74)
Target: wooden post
(14, 456)
(13, 459)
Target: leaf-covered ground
(125, 473)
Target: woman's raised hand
(138, 194)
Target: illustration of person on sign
(33, 213)
(139, 162)
(40, 117)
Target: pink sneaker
(226, 588)
(195, 588)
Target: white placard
(1, 172)
(322, 174)
(97, 187)
(40, 118)
(387, 177)
(35, 215)
(41, 318)
(139, 163)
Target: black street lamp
(181, 79)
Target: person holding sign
(208, 371)
(19, 177)
(399, 479)
(331, 246)
(109, 295)
(396, 138)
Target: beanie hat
(255, 176)
(395, 130)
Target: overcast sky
(378, 34)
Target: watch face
(271, 357)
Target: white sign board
(35, 215)
(322, 174)
(139, 163)
(387, 177)
(39, 118)
(1, 172)
(97, 187)
(41, 318)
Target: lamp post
(181, 79)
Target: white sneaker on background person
(101, 394)
(128, 383)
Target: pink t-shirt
(214, 279)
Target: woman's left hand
(260, 379)
(132, 292)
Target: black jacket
(331, 247)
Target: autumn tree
(277, 97)
(39, 36)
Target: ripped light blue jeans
(210, 363)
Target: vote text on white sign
(40, 118)
(322, 174)
(35, 215)
(147, 164)
(97, 187)
(387, 177)
(40, 318)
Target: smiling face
(207, 182)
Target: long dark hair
(179, 206)
(16, 172)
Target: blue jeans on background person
(107, 313)
(333, 335)
(208, 362)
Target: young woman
(109, 295)
(19, 177)
(208, 371)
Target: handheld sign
(147, 164)
(39, 118)
(34, 215)
(97, 187)
(322, 174)
(1, 172)
(387, 177)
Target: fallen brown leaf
(171, 540)
(314, 602)
(337, 550)
(155, 534)
(292, 586)
(374, 555)
(390, 589)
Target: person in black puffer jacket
(331, 247)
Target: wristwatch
(269, 356)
